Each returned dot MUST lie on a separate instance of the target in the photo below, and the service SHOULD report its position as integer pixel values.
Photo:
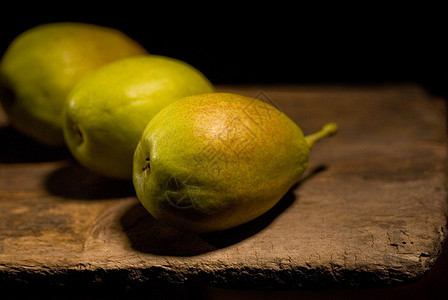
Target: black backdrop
(275, 44)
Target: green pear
(43, 64)
(106, 113)
(214, 161)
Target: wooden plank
(370, 210)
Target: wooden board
(369, 212)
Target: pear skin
(214, 161)
(42, 65)
(106, 113)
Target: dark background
(274, 43)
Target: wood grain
(370, 211)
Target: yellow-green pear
(214, 161)
(106, 113)
(43, 64)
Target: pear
(43, 64)
(214, 161)
(106, 113)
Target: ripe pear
(106, 113)
(214, 161)
(43, 64)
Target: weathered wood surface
(370, 210)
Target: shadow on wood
(17, 148)
(72, 181)
(148, 235)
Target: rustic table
(370, 211)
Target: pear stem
(327, 130)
